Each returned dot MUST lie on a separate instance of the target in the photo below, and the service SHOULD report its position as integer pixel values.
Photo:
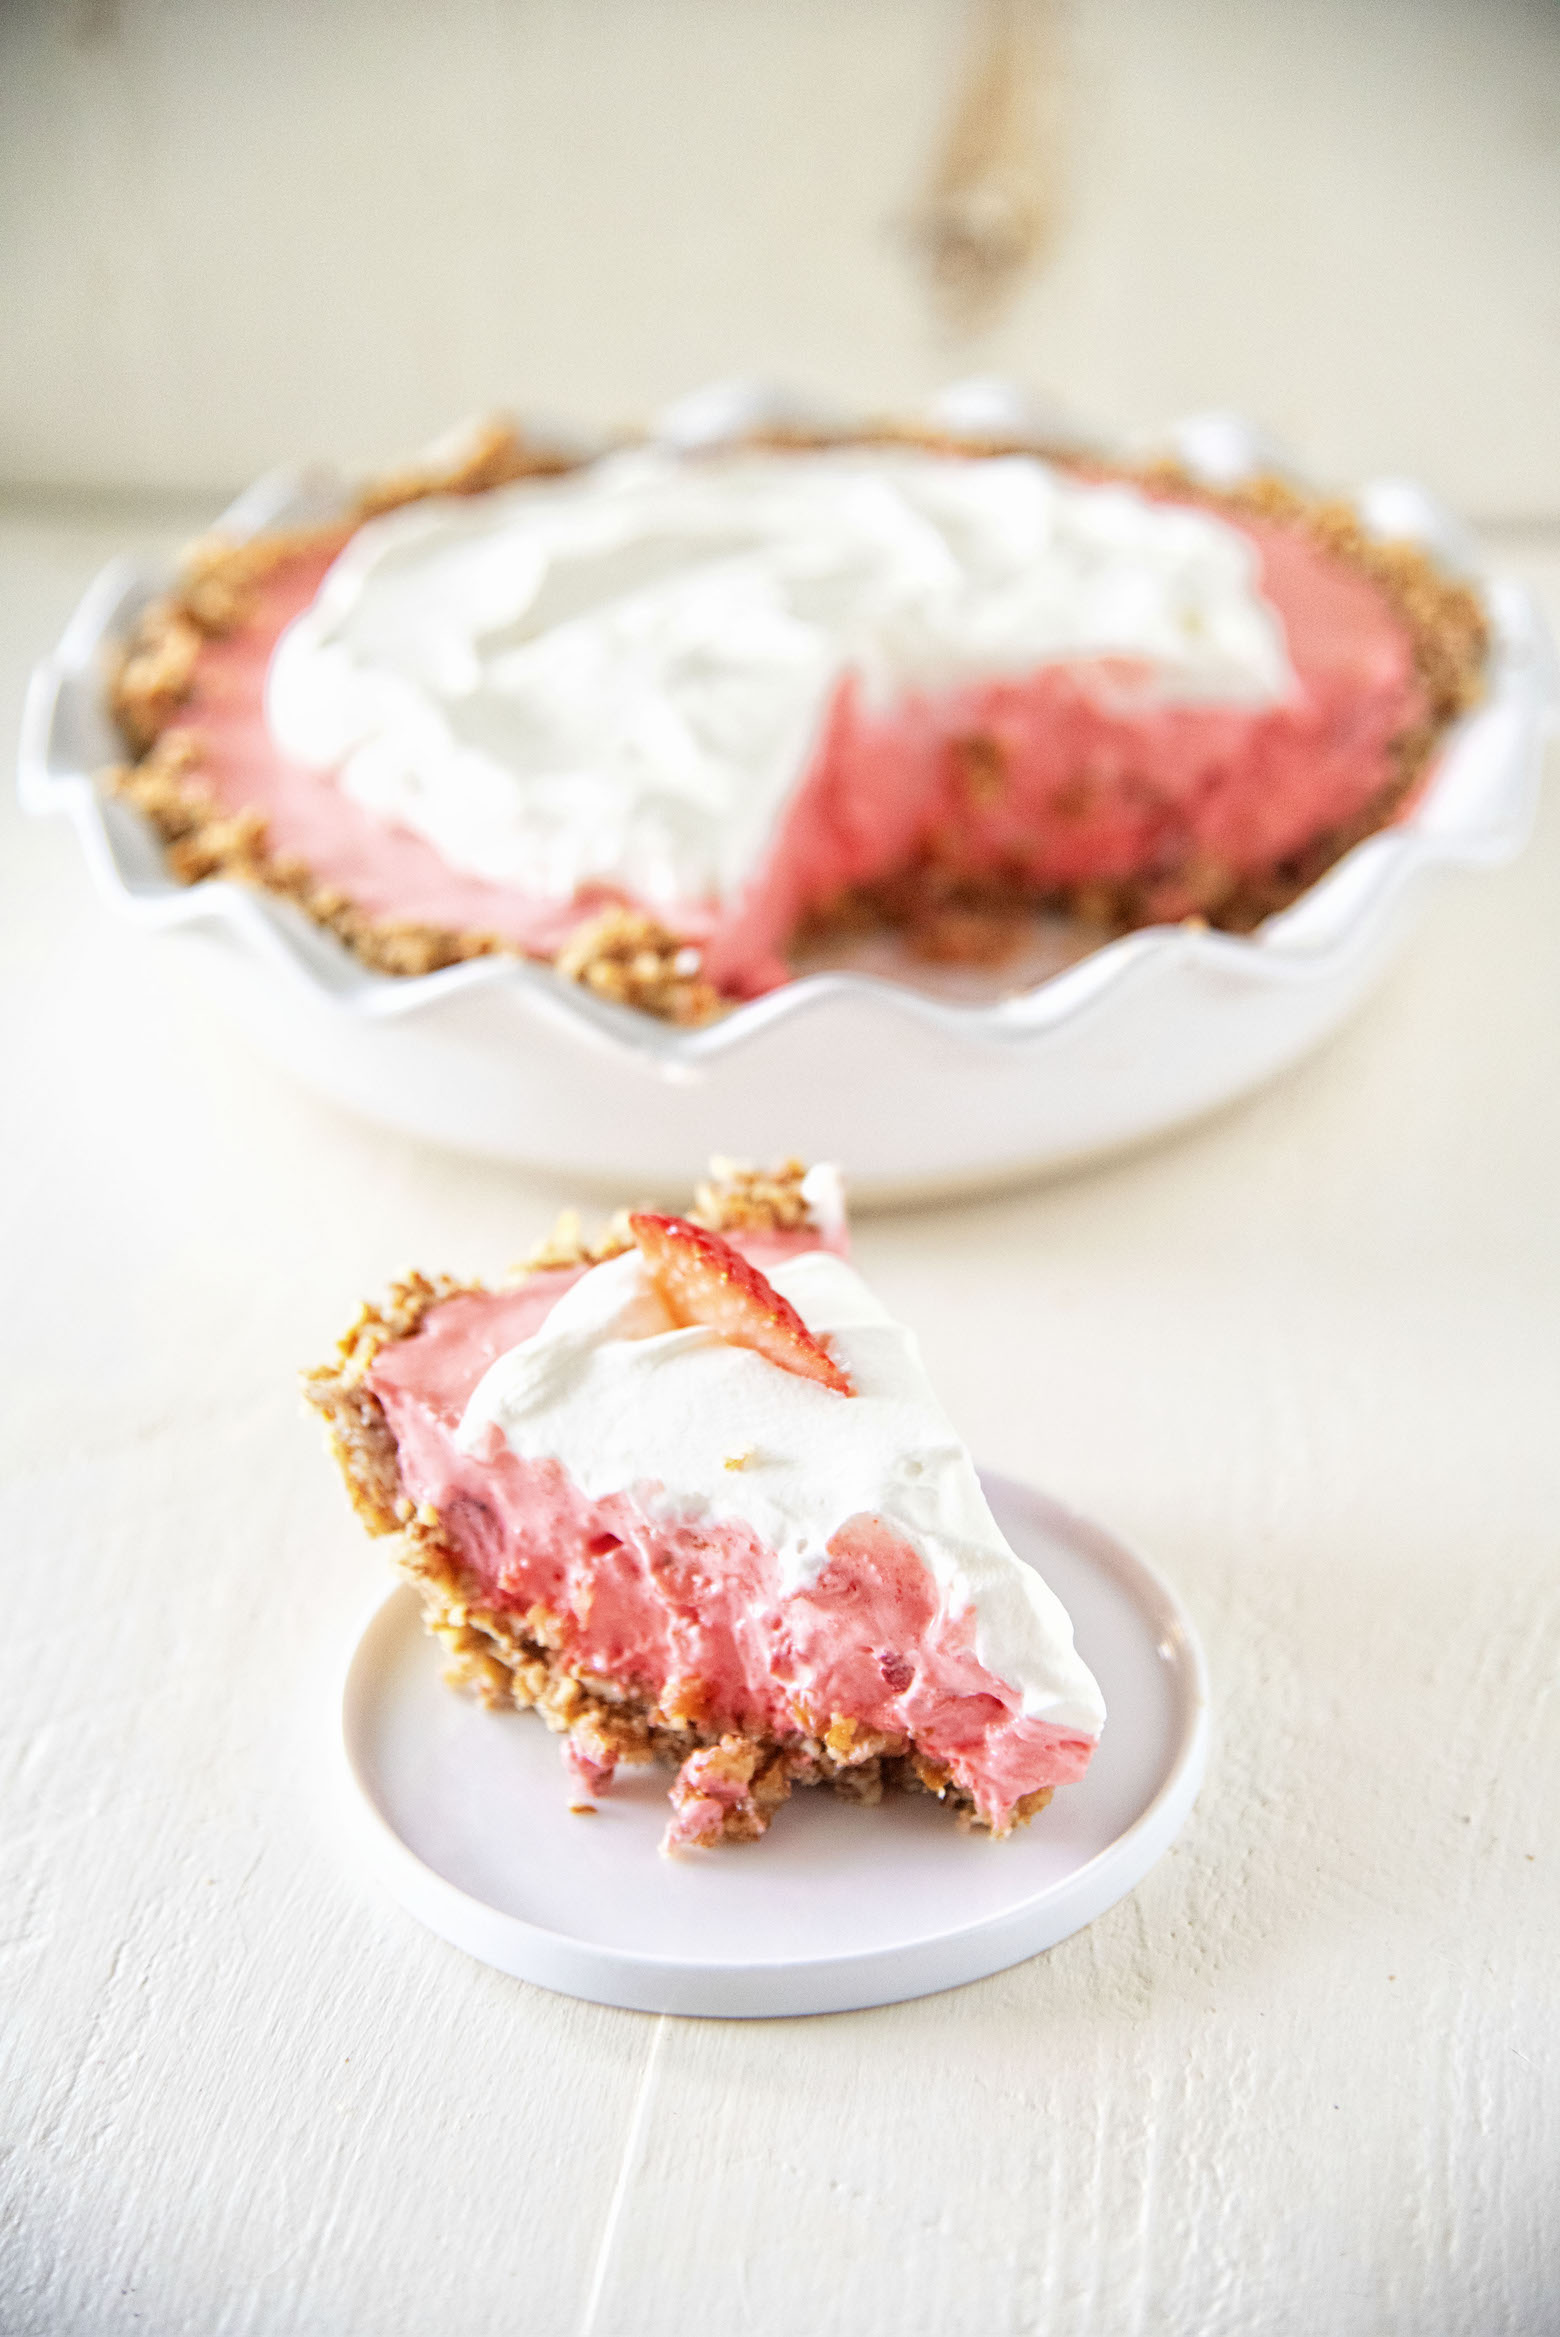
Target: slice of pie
(673, 722)
(687, 1491)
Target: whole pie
(686, 1491)
(664, 720)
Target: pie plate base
(465, 1814)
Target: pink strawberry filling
(1081, 776)
(689, 1613)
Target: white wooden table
(1306, 2080)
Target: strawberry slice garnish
(704, 1280)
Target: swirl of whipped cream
(618, 677)
(676, 1399)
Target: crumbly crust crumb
(626, 957)
(947, 913)
(355, 1425)
(155, 671)
(737, 1198)
(734, 1198)
(569, 1244)
(219, 577)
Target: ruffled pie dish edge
(1475, 812)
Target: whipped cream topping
(619, 676)
(622, 1398)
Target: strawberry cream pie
(687, 1491)
(663, 719)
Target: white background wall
(233, 231)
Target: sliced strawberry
(704, 1280)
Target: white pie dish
(910, 1090)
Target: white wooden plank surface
(233, 234)
(1307, 2079)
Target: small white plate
(466, 1815)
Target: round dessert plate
(465, 1814)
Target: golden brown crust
(219, 577)
(569, 1244)
(629, 958)
(737, 1198)
(492, 453)
(947, 913)
(355, 1425)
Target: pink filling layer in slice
(689, 1613)
(1097, 781)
